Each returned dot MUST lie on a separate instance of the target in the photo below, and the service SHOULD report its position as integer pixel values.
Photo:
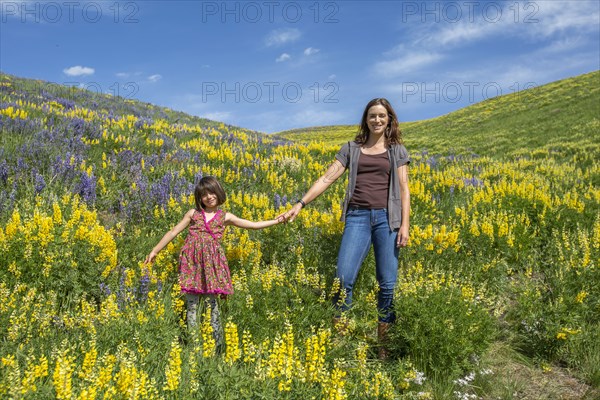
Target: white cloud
(564, 45)
(282, 36)
(462, 33)
(332, 77)
(125, 75)
(310, 51)
(560, 28)
(283, 57)
(315, 117)
(155, 78)
(78, 70)
(559, 16)
(532, 20)
(283, 119)
(407, 63)
(221, 116)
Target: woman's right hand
(292, 213)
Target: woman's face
(377, 119)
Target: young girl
(203, 269)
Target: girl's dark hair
(212, 185)
(392, 131)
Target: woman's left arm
(405, 199)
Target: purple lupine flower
(8, 202)
(105, 289)
(67, 104)
(248, 172)
(473, 182)
(120, 207)
(77, 125)
(432, 161)
(284, 200)
(181, 155)
(4, 172)
(139, 124)
(144, 288)
(198, 177)
(122, 292)
(87, 188)
(160, 191)
(63, 168)
(181, 187)
(277, 201)
(3, 196)
(40, 183)
(21, 165)
(142, 183)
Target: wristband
(301, 202)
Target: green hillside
(498, 292)
(35, 90)
(548, 116)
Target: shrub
(66, 251)
(441, 325)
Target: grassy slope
(102, 102)
(542, 116)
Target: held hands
(291, 214)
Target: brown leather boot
(382, 338)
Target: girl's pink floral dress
(203, 267)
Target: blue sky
(277, 65)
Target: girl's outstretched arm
(187, 218)
(231, 219)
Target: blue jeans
(363, 227)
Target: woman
(376, 206)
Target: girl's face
(209, 199)
(377, 119)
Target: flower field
(503, 253)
